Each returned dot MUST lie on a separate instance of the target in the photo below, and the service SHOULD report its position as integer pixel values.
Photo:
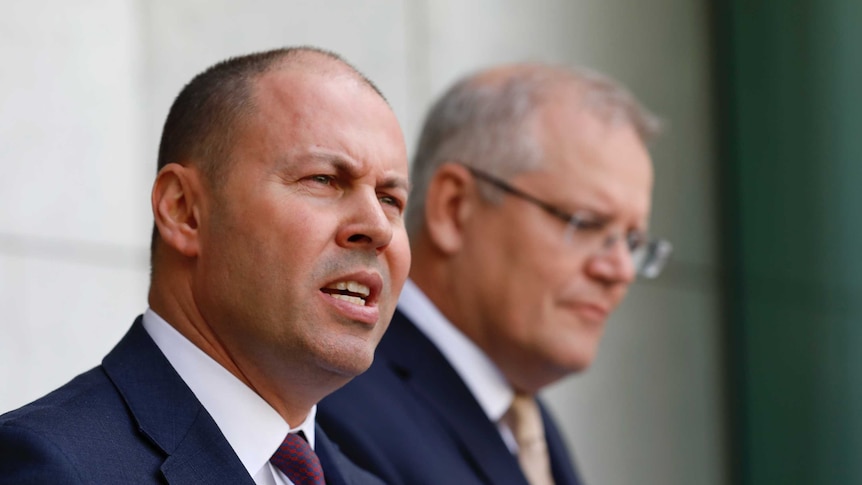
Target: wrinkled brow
(353, 169)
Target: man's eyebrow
(395, 182)
(335, 162)
(391, 181)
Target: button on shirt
(251, 426)
(479, 373)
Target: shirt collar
(482, 377)
(251, 426)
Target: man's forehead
(314, 122)
(311, 62)
(307, 71)
(310, 93)
(595, 160)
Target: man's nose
(367, 224)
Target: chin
(577, 359)
(349, 364)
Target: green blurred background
(789, 104)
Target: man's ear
(176, 200)
(448, 205)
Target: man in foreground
(278, 254)
(528, 220)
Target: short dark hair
(202, 123)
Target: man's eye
(322, 179)
(588, 224)
(393, 201)
(635, 239)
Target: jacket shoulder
(73, 434)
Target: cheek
(537, 252)
(565, 271)
(399, 258)
(558, 282)
(542, 278)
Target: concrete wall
(87, 84)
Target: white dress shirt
(251, 426)
(482, 377)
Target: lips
(360, 288)
(591, 311)
(355, 296)
(350, 291)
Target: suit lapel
(169, 415)
(428, 374)
(562, 467)
(328, 454)
(204, 456)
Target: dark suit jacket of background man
(411, 420)
(131, 420)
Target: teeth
(355, 287)
(352, 287)
(352, 299)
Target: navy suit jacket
(132, 420)
(411, 420)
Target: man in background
(278, 253)
(528, 222)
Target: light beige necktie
(525, 421)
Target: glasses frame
(655, 251)
(564, 216)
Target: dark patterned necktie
(298, 461)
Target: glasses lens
(650, 258)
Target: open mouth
(350, 291)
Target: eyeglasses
(648, 255)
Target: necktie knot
(298, 461)
(525, 421)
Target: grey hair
(490, 125)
